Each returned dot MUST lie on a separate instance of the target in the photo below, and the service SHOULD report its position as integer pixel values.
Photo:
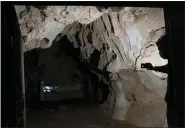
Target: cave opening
(56, 76)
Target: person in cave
(163, 47)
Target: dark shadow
(94, 59)
(65, 46)
(95, 83)
(113, 8)
(175, 90)
(39, 7)
(105, 89)
(31, 58)
(32, 87)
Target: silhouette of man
(163, 52)
(163, 47)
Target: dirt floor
(73, 116)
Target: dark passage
(74, 88)
(68, 76)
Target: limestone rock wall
(37, 24)
(130, 32)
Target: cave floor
(73, 116)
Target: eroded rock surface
(37, 24)
(120, 39)
(133, 91)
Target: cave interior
(75, 83)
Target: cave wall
(136, 28)
(124, 43)
(37, 24)
(131, 34)
(122, 39)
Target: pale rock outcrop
(134, 97)
(129, 32)
(37, 24)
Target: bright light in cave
(49, 88)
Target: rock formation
(119, 40)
